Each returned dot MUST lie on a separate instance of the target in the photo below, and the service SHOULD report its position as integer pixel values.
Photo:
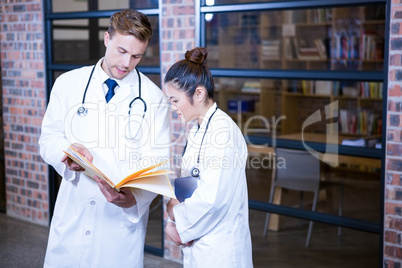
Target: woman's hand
(169, 208)
(171, 231)
(123, 199)
(71, 165)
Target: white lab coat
(215, 217)
(86, 230)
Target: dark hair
(132, 22)
(192, 72)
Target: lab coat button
(88, 232)
(93, 203)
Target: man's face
(123, 53)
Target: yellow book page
(131, 178)
(159, 184)
(139, 173)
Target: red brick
(390, 237)
(389, 251)
(395, 91)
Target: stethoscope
(83, 111)
(195, 171)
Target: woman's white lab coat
(215, 217)
(86, 230)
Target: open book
(146, 179)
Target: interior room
(312, 85)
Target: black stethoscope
(195, 171)
(82, 111)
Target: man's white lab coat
(86, 230)
(215, 217)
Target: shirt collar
(129, 79)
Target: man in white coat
(93, 225)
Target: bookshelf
(338, 39)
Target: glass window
(319, 112)
(308, 39)
(155, 220)
(81, 41)
(340, 112)
(85, 5)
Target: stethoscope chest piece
(195, 172)
(82, 111)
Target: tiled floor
(23, 245)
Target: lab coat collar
(207, 115)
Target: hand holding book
(73, 166)
(146, 179)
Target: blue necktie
(111, 84)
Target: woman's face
(180, 103)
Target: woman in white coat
(93, 225)
(212, 224)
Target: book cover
(184, 187)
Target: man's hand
(71, 165)
(169, 208)
(123, 199)
(171, 231)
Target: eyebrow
(171, 97)
(135, 55)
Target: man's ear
(106, 38)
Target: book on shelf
(350, 91)
(361, 121)
(346, 47)
(370, 142)
(371, 90)
(323, 87)
(148, 178)
(290, 48)
(372, 46)
(270, 49)
(322, 48)
(315, 49)
(307, 87)
(305, 50)
(320, 15)
(251, 86)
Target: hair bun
(197, 55)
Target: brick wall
(24, 102)
(177, 36)
(393, 175)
